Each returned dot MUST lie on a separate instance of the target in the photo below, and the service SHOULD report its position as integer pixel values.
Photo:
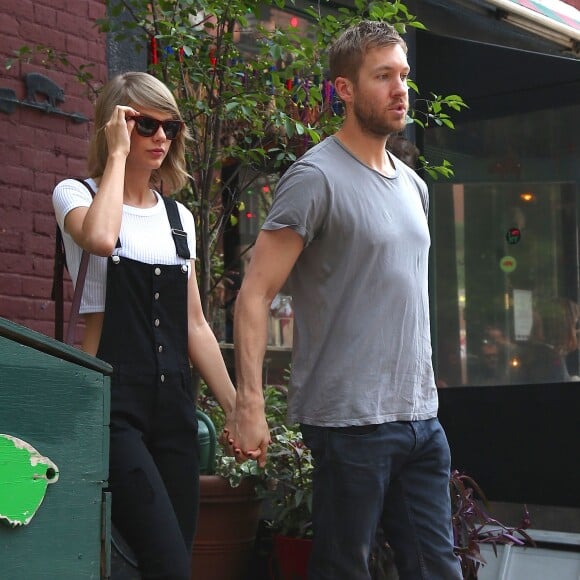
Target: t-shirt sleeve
(300, 202)
(68, 195)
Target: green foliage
(250, 94)
(50, 58)
(288, 483)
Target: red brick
(17, 176)
(76, 46)
(10, 241)
(45, 16)
(44, 308)
(36, 287)
(15, 263)
(10, 197)
(8, 25)
(77, 167)
(35, 201)
(41, 149)
(21, 9)
(11, 306)
(42, 266)
(45, 224)
(69, 23)
(31, 32)
(37, 245)
(20, 221)
(97, 10)
(11, 156)
(10, 284)
(25, 133)
(77, 8)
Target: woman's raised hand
(119, 128)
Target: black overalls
(154, 461)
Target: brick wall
(39, 149)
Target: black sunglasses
(147, 127)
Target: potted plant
(473, 526)
(288, 488)
(229, 507)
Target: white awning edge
(540, 24)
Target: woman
(143, 315)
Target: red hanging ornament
(153, 51)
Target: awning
(554, 20)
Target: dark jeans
(395, 474)
(154, 476)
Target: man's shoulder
(321, 153)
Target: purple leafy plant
(473, 526)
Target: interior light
(527, 196)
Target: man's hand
(247, 436)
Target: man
(348, 233)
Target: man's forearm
(250, 341)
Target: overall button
(156, 295)
(160, 348)
(157, 271)
(156, 322)
(162, 377)
(115, 259)
(184, 268)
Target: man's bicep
(273, 258)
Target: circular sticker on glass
(508, 264)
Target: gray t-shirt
(362, 345)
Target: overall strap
(76, 301)
(57, 284)
(179, 236)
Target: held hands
(119, 128)
(246, 436)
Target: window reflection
(506, 267)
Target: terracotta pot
(291, 557)
(226, 530)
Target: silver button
(184, 268)
(157, 271)
(156, 295)
(115, 259)
(162, 377)
(156, 323)
(160, 348)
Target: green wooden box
(56, 398)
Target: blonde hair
(139, 90)
(348, 51)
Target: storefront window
(505, 252)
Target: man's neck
(370, 150)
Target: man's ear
(344, 89)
